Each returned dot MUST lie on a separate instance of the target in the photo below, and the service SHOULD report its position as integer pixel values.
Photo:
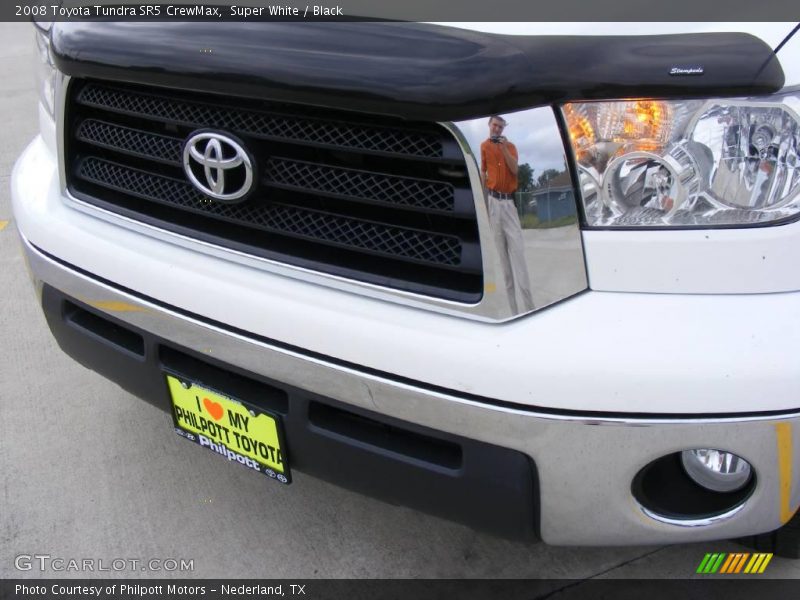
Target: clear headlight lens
(45, 69)
(701, 163)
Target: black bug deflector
(414, 70)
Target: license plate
(240, 432)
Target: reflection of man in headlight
(499, 175)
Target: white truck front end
(357, 295)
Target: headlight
(696, 163)
(45, 68)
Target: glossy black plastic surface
(413, 70)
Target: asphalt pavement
(88, 472)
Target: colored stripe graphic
(740, 564)
(754, 563)
(716, 565)
(741, 558)
(704, 563)
(734, 563)
(711, 562)
(728, 565)
(767, 558)
(723, 563)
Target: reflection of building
(554, 200)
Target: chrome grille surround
(491, 307)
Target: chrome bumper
(585, 465)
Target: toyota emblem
(218, 165)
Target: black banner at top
(406, 10)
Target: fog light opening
(665, 488)
(716, 470)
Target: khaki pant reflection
(504, 219)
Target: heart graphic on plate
(213, 408)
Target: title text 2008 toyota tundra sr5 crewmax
(543, 285)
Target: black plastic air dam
(413, 70)
(488, 487)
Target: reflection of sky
(533, 132)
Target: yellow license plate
(240, 432)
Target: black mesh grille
(306, 130)
(125, 139)
(374, 237)
(359, 184)
(371, 198)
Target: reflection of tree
(524, 178)
(526, 182)
(546, 176)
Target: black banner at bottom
(393, 589)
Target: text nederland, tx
(226, 428)
(125, 589)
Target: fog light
(716, 470)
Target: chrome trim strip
(62, 85)
(555, 285)
(585, 466)
(705, 522)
